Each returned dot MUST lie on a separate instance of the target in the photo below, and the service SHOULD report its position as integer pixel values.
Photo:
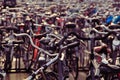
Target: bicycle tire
(1, 77)
(8, 62)
(115, 79)
(27, 58)
(30, 61)
(95, 78)
(72, 62)
(50, 76)
(2, 60)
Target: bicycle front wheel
(72, 63)
(49, 76)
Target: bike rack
(17, 65)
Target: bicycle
(59, 62)
(9, 48)
(108, 70)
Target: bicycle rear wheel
(1, 77)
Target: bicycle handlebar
(10, 28)
(50, 62)
(25, 34)
(82, 38)
(106, 28)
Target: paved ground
(21, 76)
(16, 76)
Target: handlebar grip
(83, 38)
(18, 42)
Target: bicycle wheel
(1, 77)
(30, 60)
(95, 78)
(114, 77)
(72, 62)
(49, 76)
(8, 62)
(74, 67)
(27, 57)
(2, 60)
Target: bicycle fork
(62, 68)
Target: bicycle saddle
(98, 28)
(27, 18)
(9, 14)
(95, 20)
(11, 28)
(62, 14)
(10, 43)
(21, 24)
(114, 26)
(38, 36)
(70, 25)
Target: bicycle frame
(37, 43)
